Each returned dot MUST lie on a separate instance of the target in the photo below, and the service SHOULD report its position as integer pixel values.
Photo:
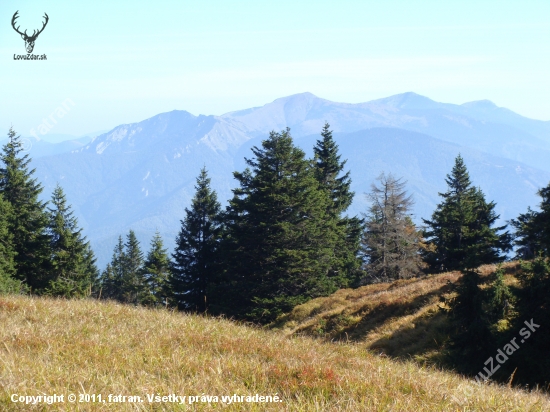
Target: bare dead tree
(391, 241)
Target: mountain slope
(401, 319)
(141, 176)
(89, 347)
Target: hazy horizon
(120, 63)
(60, 137)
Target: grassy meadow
(402, 319)
(52, 346)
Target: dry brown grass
(50, 346)
(400, 319)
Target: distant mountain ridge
(141, 175)
(51, 145)
(481, 125)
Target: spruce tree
(544, 219)
(327, 170)
(156, 273)
(104, 288)
(533, 298)
(7, 265)
(279, 240)
(89, 262)
(500, 297)
(461, 232)
(470, 333)
(391, 243)
(134, 286)
(533, 306)
(28, 219)
(527, 235)
(461, 237)
(532, 229)
(111, 280)
(73, 265)
(196, 255)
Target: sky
(124, 61)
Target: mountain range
(142, 175)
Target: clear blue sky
(124, 61)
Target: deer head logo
(29, 40)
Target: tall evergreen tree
(544, 219)
(461, 232)
(123, 279)
(279, 240)
(461, 237)
(196, 255)
(391, 243)
(532, 229)
(533, 306)
(7, 266)
(112, 278)
(89, 263)
(470, 334)
(327, 170)
(28, 220)
(134, 286)
(533, 303)
(527, 235)
(73, 265)
(156, 273)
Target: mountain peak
(409, 100)
(480, 104)
(299, 97)
(282, 112)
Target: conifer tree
(391, 243)
(123, 279)
(89, 262)
(73, 265)
(327, 170)
(533, 306)
(105, 286)
(544, 219)
(533, 300)
(532, 234)
(7, 266)
(28, 218)
(470, 334)
(278, 245)
(461, 232)
(461, 237)
(134, 286)
(500, 297)
(196, 255)
(527, 235)
(112, 278)
(156, 273)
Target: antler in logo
(29, 40)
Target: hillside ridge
(66, 346)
